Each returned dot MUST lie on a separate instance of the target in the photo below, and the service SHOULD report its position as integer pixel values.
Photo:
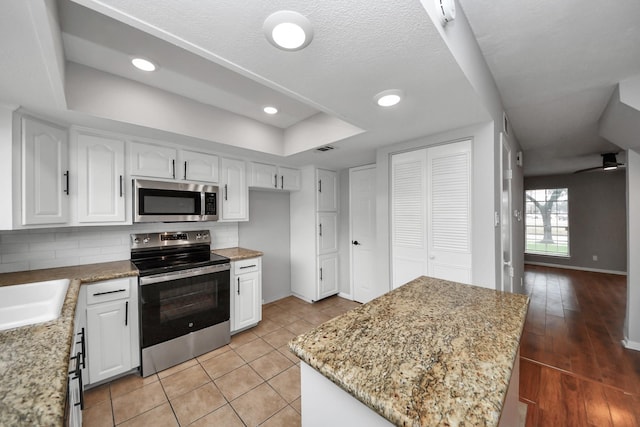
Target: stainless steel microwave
(160, 201)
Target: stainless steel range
(184, 297)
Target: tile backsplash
(60, 247)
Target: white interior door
(362, 224)
(505, 214)
(449, 211)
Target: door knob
(355, 242)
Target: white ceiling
(555, 72)
(556, 64)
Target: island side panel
(326, 404)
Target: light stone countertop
(34, 359)
(429, 353)
(237, 254)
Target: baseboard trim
(345, 295)
(631, 345)
(572, 267)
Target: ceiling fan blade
(589, 169)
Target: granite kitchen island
(429, 353)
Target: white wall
(483, 260)
(632, 320)
(268, 231)
(344, 244)
(60, 247)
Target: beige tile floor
(255, 380)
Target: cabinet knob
(355, 242)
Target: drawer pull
(109, 292)
(247, 266)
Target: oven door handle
(175, 275)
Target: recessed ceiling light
(143, 64)
(388, 98)
(288, 30)
(270, 110)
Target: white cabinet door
(327, 232)
(108, 339)
(247, 297)
(45, 173)
(327, 275)
(288, 179)
(327, 191)
(101, 188)
(234, 193)
(199, 166)
(152, 160)
(264, 175)
(449, 211)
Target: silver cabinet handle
(225, 192)
(126, 313)
(108, 292)
(320, 273)
(320, 230)
(238, 286)
(185, 169)
(275, 180)
(121, 189)
(319, 186)
(247, 266)
(282, 181)
(173, 168)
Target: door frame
(505, 145)
(351, 171)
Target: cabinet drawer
(246, 266)
(109, 290)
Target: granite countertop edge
(237, 253)
(347, 379)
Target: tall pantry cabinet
(314, 235)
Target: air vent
(325, 148)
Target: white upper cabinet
(234, 193)
(196, 166)
(45, 173)
(264, 175)
(289, 178)
(152, 160)
(100, 172)
(327, 191)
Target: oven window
(177, 307)
(163, 202)
(184, 301)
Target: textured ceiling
(556, 64)
(216, 53)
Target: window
(547, 221)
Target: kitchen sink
(31, 303)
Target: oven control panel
(169, 238)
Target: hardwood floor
(574, 370)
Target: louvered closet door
(408, 216)
(449, 211)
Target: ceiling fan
(609, 162)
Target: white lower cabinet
(246, 293)
(112, 328)
(327, 275)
